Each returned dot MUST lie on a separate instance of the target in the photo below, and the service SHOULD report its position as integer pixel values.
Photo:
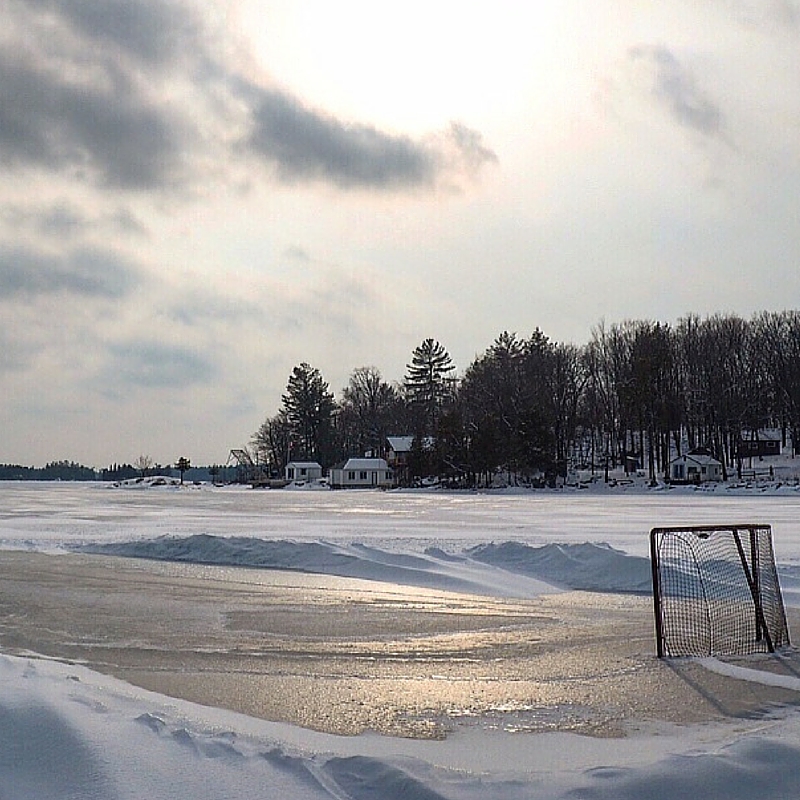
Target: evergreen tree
(309, 408)
(429, 382)
(182, 465)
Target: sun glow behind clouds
(413, 67)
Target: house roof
(365, 463)
(305, 464)
(702, 459)
(403, 444)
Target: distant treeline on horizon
(71, 471)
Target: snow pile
(587, 566)
(590, 567)
(149, 482)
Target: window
(362, 476)
(351, 476)
(303, 470)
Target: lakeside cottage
(699, 466)
(361, 473)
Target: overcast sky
(196, 197)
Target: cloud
(297, 254)
(153, 31)
(156, 365)
(308, 145)
(16, 351)
(63, 220)
(469, 147)
(675, 87)
(764, 14)
(86, 272)
(103, 129)
(138, 97)
(196, 309)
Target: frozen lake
(510, 667)
(47, 515)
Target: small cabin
(303, 471)
(758, 448)
(695, 467)
(361, 473)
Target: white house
(695, 467)
(359, 473)
(303, 471)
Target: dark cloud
(86, 272)
(153, 31)
(65, 221)
(156, 365)
(309, 145)
(107, 129)
(675, 87)
(131, 95)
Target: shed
(303, 471)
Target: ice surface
(68, 732)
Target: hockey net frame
(716, 591)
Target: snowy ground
(69, 732)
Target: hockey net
(716, 591)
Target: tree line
(52, 471)
(638, 393)
(141, 468)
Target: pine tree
(429, 382)
(182, 465)
(309, 407)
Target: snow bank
(752, 675)
(148, 482)
(587, 566)
(591, 567)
